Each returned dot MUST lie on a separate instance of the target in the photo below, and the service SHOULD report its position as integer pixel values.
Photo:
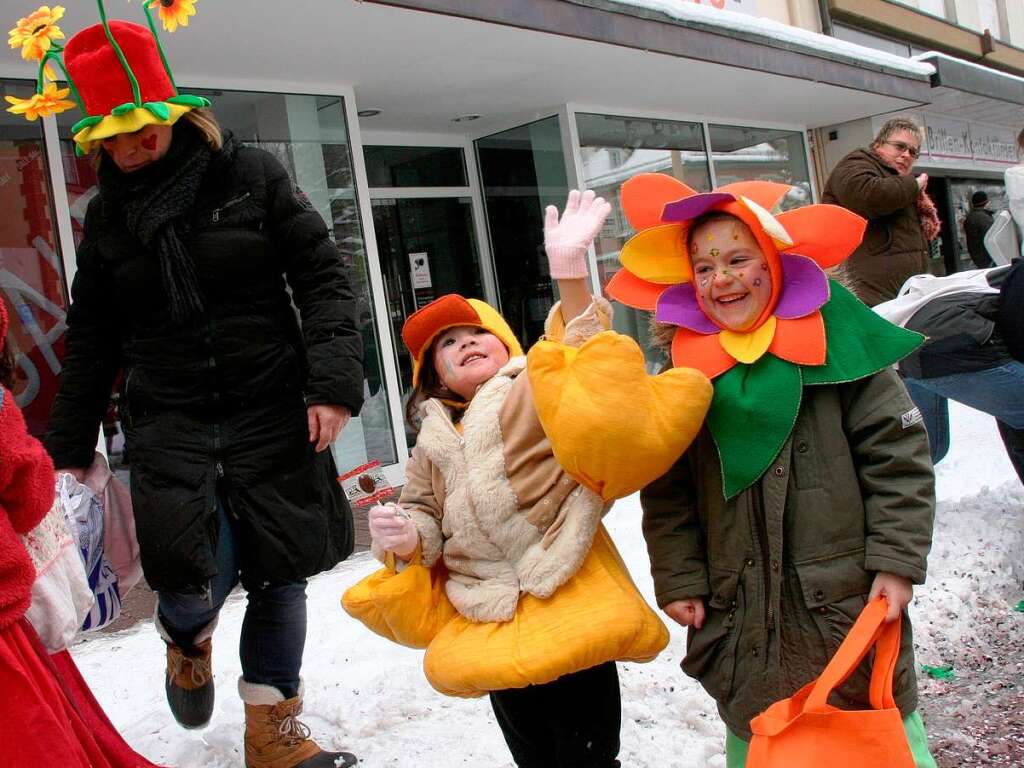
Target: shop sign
(947, 137)
(748, 7)
(996, 143)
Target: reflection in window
(768, 154)
(612, 150)
(388, 166)
(309, 136)
(32, 280)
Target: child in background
(810, 490)
(486, 492)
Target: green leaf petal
(188, 100)
(124, 109)
(752, 413)
(86, 122)
(860, 342)
(159, 110)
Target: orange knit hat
(451, 311)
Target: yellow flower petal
(657, 255)
(750, 346)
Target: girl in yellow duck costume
(507, 484)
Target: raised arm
(566, 242)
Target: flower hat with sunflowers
(115, 71)
(751, 304)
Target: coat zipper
(232, 202)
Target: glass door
(522, 172)
(426, 236)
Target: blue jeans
(274, 627)
(996, 391)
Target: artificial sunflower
(173, 13)
(35, 33)
(810, 331)
(52, 101)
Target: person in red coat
(48, 716)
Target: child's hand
(897, 590)
(689, 612)
(392, 530)
(566, 240)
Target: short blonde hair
(207, 125)
(895, 125)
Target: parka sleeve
(92, 358)
(675, 540)
(322, 291)
(859, 187)
(26, 472)
(897, 482)
(420, 499)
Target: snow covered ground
(367, 695)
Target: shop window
(308, 134)
(612, 150)
(767, 154)
(388, 166)
(32, 279)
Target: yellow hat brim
(112, 125)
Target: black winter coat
(218, 409)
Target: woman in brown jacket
(877, 183)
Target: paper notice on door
(419, 270)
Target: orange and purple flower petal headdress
(812, 331)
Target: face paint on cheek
(757, 282)
(715, 252)
(148, 142)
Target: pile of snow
(370, 696)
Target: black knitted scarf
(157, 204)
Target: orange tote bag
(804, 730)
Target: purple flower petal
(693, 206)
(678, 306)
(804, 287)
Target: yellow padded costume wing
(614, 427)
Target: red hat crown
(102, 82)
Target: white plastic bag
(61, 598)
(84, 514)
(1002, 240)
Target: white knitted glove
(566, 240)
(392, 530)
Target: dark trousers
(571, 722)
(274, 627)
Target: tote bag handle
(869, 630)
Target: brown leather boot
(274, 736)
(189, 681)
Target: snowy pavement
(370, 696)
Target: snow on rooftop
(692, 14)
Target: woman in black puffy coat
(195, 249)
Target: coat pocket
(835, 591)
(711, 650)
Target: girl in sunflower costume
(195, 250)
(809, 491)
(516, 460)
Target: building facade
(431, 134)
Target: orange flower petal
(627, 288)
(800, 341)
(644, 197)
(697, 350)
(827, 234)
(656, 255)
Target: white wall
(798, 13)
(851, 136)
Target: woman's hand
(688, 613)
(566, 240)
(392, 530)
(897, 590)
(326, 423)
